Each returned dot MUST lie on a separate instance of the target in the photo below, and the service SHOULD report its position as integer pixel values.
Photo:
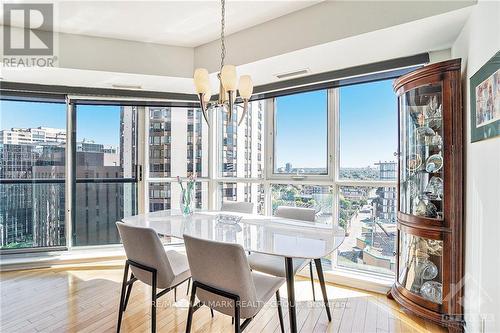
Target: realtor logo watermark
(28, 38)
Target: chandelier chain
(223, 25)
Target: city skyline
(99, 123)
(374, 136)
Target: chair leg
(232, 320)
(189, 283)
(312, 279)
(212, 312)
(129, 289)
(237, 328)
(280, 311)
(153, 304)
(175, 294)
(122, 296)
(191, 309)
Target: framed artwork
(485, 100)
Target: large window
(301, 134)
(32, 171)
(106, 171)
(368, 131)
(331, 150)
(367, 197)
(368, 214)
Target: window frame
(213, 177)
(34, 181)
(270, 127)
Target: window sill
(356, 279)
(80, 255)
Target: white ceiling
(371, 47)
(165, 22)
(102, 63)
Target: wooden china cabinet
(430, 212)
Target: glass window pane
(106, 148)
(178, 142)
(300, 133)
(368, 214)
(32, 140)
(319, 197)
(32, 146)
(368, 131)
(241, 148)
(167, 195)
(32, 215)
(99, 206)
(244, 192)
(106, 144)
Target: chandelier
(227, 84)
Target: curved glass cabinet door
(421, 147)
(420, 266)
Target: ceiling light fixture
(227, 84)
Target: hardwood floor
(84, 298)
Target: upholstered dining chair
(274, 265)
(150, 264)
(237, 207)
(223, 281)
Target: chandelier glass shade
(228, 85)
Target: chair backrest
(142, 245)
(296, 213)
(237, 207)
(223, 266)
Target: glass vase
(187, 202)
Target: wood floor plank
(85, 297)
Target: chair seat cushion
(180, 267)
(273, 265)
(266, 286)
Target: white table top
(256, 233)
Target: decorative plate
(434, 163)
(414, 162)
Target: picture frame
(485, 101)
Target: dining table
(283, 237)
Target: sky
(301, 130)
(368, 124)
(98, 123)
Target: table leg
(291, 294)
(319, 270)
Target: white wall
(476, 44)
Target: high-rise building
(178, 146)
(33, 214)
(385, 208)
(242, 151)
(32, 135)
(387, 170)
